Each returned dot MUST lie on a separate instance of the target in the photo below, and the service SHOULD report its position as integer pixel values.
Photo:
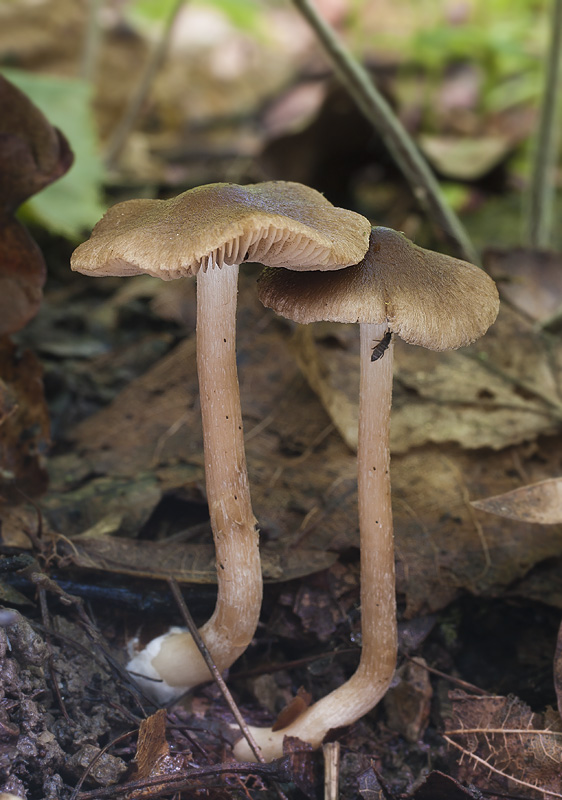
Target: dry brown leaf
(488, 395)
(303, 476)
(438, 786)
(501, 737)
(33, 154)
(407, 702)
(540, 502)
(187, 563)
(22, 275)
(530, 279)
(152, 746)
(153, 758)
(24, 423)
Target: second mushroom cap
(427, 298)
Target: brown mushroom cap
(277, 223)
(427, 298)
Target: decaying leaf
(486, 395)
(24, 423)
(501, 737)
(540, 502)
(438, 786)
(530, 279)
(22, 275)
(33, 154)
(407, 702)
(303, 476)
(187, 563)
(464, 158)
(153, 757)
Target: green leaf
(74, 203)
(243, 14)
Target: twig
(188, 619)
(487, 766)
(95, 760)
(469, 687)
(286, 665)
(138, 97)
(542, 189)
(396, 138)
(331, 752)
(91, 42)
(50, 659)
(165, 784)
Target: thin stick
(396, 138)
(331, 752)
(175, 589)
(91, 42)
(188, 619)
(469, 687)
(95, 760)
(542, 190)
(138, 97)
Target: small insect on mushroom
(380, 349)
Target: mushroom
(208, 231)
(428, 299)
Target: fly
(380, 349)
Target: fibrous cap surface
(427, 298)
(276, 223)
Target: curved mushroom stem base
(174, 658)
(370, 682)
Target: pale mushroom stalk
(372, 678)
(428, 299)
(230, 629)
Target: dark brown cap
(427, 298)
(276, 223)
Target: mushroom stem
(370, 682)
(233, 623)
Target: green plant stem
(91, 41)
(399, 143)
(138, 97)
(542, 190)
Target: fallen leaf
(22, 275)
(438, 786)
(187, 563)
(501, 737)
(151, 745)
(33, 154)
(153, 757)
(24, 423)
(407, 702)
(369, 786)
(465, 158)
(539, 502)
(530, 279)
(303, 476)
(488, 395)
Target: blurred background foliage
(464, 76)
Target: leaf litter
(125, 469)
